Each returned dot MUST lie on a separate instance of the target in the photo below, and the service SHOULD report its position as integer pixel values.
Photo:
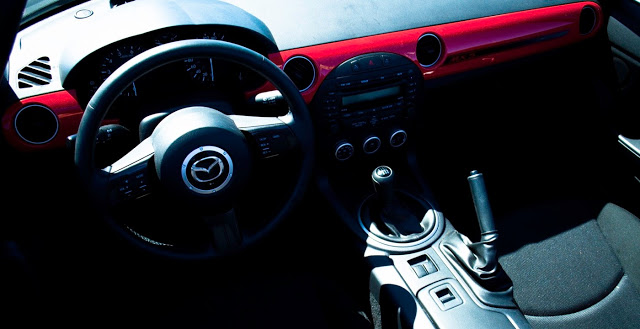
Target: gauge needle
(211, 66)
(135, 91)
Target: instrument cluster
(189, 75)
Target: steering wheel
(196, 157)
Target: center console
(364, 106)
(423, 273)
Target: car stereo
(364, 105)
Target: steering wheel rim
(96, 179)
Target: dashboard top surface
(297, 24)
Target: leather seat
(574, 264)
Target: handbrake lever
(481, 204)
(480, 259)
(485, 248)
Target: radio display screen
(370, 96)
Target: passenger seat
(574, 264)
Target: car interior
(326, 164)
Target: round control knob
(398, 138)
(371, 145)
(344, 151)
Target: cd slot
(347, 85)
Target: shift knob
(382, 178)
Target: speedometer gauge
(200, 69)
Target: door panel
(623, 30)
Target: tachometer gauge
(114, 59)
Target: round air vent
(36, 124)
(428, 50)
(301, 71)
(587, 19)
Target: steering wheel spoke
(224, 230)
(269, 136)
(129, 176)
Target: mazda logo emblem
(207, 169)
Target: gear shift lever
(392, 214)
(382, 178)
(480, 258)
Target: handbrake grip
(481, 204)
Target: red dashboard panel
(66, 108)
(466, 45)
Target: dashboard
(361, 72)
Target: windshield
(37, 8)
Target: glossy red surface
(63, 103)
(467, 45)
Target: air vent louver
(36, 124)
(38, 73)
(588, 19)
(301, 71)
(428, 50)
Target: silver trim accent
(186, 169)
(341, 146)
(400, 131)
(630, 144)
(439, 53)
(313, 80)
(15, 125)
(369, 139)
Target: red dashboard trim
(67, 109)
(467, 45)
(460, 38)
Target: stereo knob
(398, 138)
(344, 151)
(371, 145)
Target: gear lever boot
(392, 214)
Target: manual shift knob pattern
(382, 178)
(383, 172)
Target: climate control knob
(344, 151)
(371, 145)
(398, 138)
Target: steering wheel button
(143, 189)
